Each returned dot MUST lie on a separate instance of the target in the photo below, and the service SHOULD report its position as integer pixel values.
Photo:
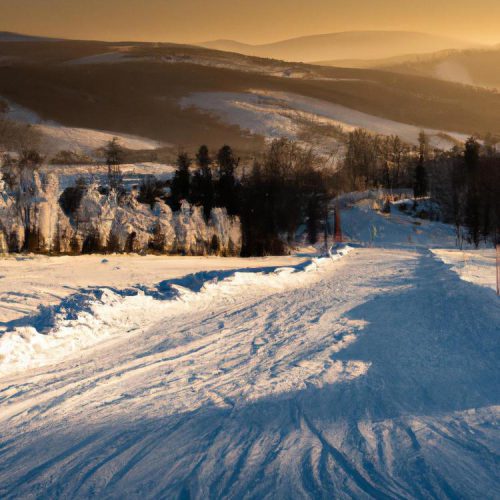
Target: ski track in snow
(375, 377)
(86, 318)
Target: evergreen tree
(25, 189)
(473, 203)
(150, 190)
(114, 153)
(203, 159)
(420, 188)
(313, 218)
(471, 154)
(227, 187)
(202, 186)
(181, 181)
(423, 145)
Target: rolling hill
(345, 45)
(480, 67)
(183, 96)
(9, 36)
(472, 67)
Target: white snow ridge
(91, 316)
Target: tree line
(464, 181)
(287, 188)
(284, 188)
(466, 184)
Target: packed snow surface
(372, 373)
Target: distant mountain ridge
(9, 36)
(345, 45)
(471, 67)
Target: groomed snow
(94, 315)
(374, 375)
(379, 379)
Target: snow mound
(474, 266)
(88, 317)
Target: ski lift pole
(498, 268)
(337, 229)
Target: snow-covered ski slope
(88, 317)
(374, 375)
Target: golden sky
(252, 21)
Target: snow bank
(30, 281)
(474, 266)
(93, 315)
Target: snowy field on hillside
(281, 114)
(226, 60)
(372, 373)
(57, 137)
(132, 173)
(475, 266)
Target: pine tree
(227, 186)
(420, 187)
(114, 153)
(150, 190)
(471, 154)
(180, 182)
(313, 217)
(202, 186)
(423, 145)
(473, 203)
